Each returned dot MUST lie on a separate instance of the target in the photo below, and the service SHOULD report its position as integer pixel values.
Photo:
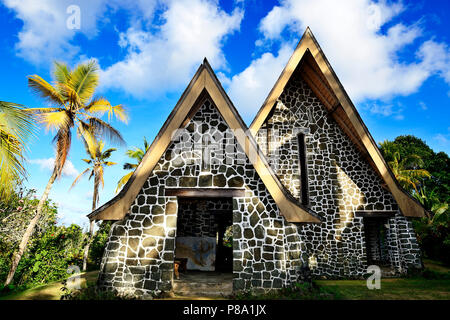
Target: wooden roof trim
(408, 205)
(204, 79)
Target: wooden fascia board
(279, 86)
(117, 209)
(408, 206)
(288, 209)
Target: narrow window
(206, 154)
(303, 169)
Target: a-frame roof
(204, 80)
(315, 69)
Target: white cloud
(249, 88)
(443, 140)
(165, 59)
(44, 34)
(365, 59)
(69, 169)
(385, 110)
(423, 106)
(45, 37)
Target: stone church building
(304, 187)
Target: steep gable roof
(204, 80)
(319, 75)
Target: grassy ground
(391, 289)
(394, 289)
(51, 291)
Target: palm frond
(78, 178)
(129, 166)
(98, 106)
(54, 120)
(16, 128)
(123, 181)
(45, 90)
(105, 130)
(84, 80)
(61, 72)
(71, 96)
(106, 154)
(120, 112)
(87, 135)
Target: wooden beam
(375, 214)
(205, 192)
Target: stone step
(388, 272)
(202, 289)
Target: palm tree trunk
(30, 230)
(91, 226)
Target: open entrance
(375, 233)
(204, 232)
(203, 247)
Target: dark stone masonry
(340, 183)
(268, 251)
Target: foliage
(74, 106)
(433, 191)
(98, 160)
(91, 292)
(437, 164)
(52, 249)
(15, 215)
(16, 127)
(407, 169)
(98, 244)
(49, 258)
(135, 154)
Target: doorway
(376, 242)
(203, 238)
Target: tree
(16, 127)
(97, 162)
(437, 164)
(136, 154)
(73, 107)
(407, 171)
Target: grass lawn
(394, 289)
(51, 291)
(391, 289)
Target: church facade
(305, 187)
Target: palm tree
(407, 170)
(15, 129)
(73, 107)
(136, 154)
(431, 201)
(97, 162)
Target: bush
(98, 245)
(434, 238)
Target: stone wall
(340, 182)
(140, 250)
(198, 218)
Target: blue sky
(392, 57)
